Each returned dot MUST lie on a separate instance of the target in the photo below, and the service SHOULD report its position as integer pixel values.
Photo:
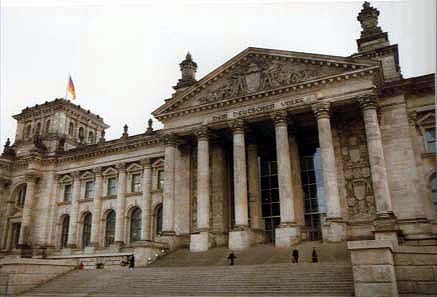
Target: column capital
(280, 118)
(170, 139)
(237, 126)
(202, 133)
(30, 177)
(146, 163)
(97, 171)
(58, 177)
(322, 110)
(121, 166)
(367, 101)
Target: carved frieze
(256, 74)
(360, 199)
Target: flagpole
(66, 89)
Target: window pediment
(66, 179)
(134, 167)
(87, 175)
(158, 163)
(109, 171)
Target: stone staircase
(207, 274)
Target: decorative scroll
(360, 199)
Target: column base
(287, 235)
(386, 227)
(89, 250)
(116, 246)
(199, 242)
(241, 239)
(94, 244)
(334, 230)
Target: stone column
(53, 219)
(7, 206)
(121, 205)
(25, 240)
(199, 241)
(385, 223)
(147, 199)
(72, 229)
(288, 231)
(256, 222)
(334, 229)
(240, 238)
(169, 187)
(50, 193)
(95, 226)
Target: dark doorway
(312, 184)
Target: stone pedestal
(287, 236)
(241, 239)
(334, 231)
(199, 242)
(386, 228)
(373, 268)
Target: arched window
(110, 228)
(158, 219)
(38, 129)
(65, 230)
(47, 127)
(434, 194)
(81, 134)
(27, 131)
(90, 137)
(71, 129)
(86, 230)
(135, 225)
(21, 196)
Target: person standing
(315, 257)
(231, 258)
(295, 256)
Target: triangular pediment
(256, 71)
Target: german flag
(70, 88)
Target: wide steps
(303, 279)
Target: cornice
(290, 89)
(414, 85)
(349, 63)
(60, 104)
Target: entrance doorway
(269, 197)
(312, 184)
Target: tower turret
(188, 69)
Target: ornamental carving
(256, 74)
(359, 192)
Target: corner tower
(54, 125)
(374, 43)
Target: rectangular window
(89, 189)
(15, 234)
(431, 142)
(160, 185)
(136, 183)
(111, 186)
(67, 193)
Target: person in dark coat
(314, 256)
(295, 256)
(131, 261)
(231, 258)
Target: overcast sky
(124, 55)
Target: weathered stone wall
(400, 162)
(416, 270)
(20, 275)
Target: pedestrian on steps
(315, 257)
(131, 262)
(231, 258)
(295, 256)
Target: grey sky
(124, 55)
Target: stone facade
(272, 146)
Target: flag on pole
(70, 88)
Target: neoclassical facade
(272, 146)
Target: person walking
(231, 258)
(131, 262)
(295, 256)
(315, 257)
